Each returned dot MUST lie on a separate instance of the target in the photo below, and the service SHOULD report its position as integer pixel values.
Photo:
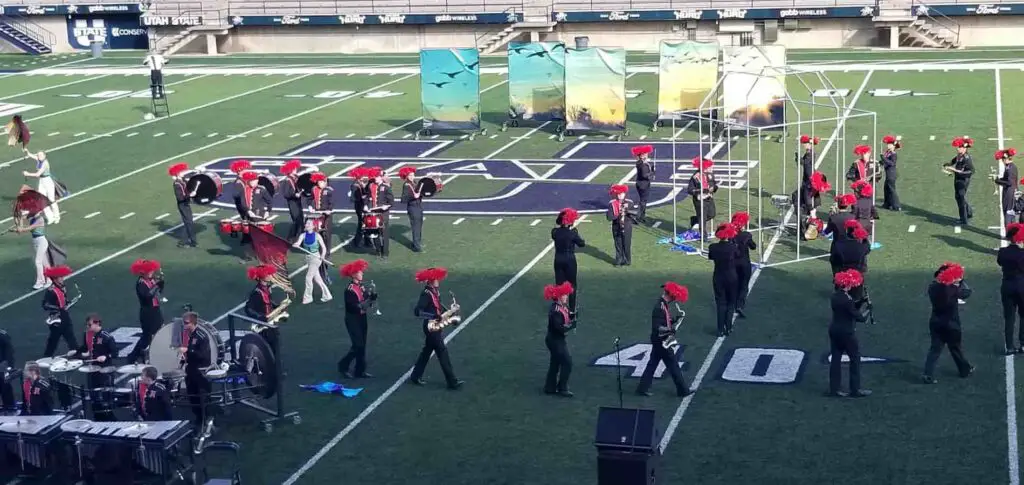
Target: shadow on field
(957, 242)
(944, 220)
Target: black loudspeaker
(627, 446)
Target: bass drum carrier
(164, 354)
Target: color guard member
(559, 324)
(807, 159)
(745, 244)
(154, 399)
(644, 176)
(35, 389)
(292, 196)
(961, 167)
(413, 206)
(358, 300)
(55, 304)
(842, 334)
(945, 293)
(40, 248)
(724, 279)
(183, 198)
(1008, 183)
(321, 204)
(429, 308)
(1011, 260)
(149, 290)
(196, 350)
(567, 239)
(663, 331)
(380, 201)
(47, 186)
(316, 253)
(891, 200)
(702, 188)
(622, 224)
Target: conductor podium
(627, 448)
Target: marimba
(160, 447)
(31, 438)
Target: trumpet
(834, 209)
(371, 289)
(450, 317)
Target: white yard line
(912, 228)
(458, 221)
(103, 101)
(127, 215)
(26, 93)
(1012, 441)
(161, 216)
(90, 216)
(706, 365)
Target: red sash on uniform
(412, 189)
(248, 197)
(434, 298)
(862, 170)
(150, 284)
(26, 387)
(703, 180)
(565, 313)
(143, 387)
(616, 204)
(185, 337)
(373, 195)
(358, 290)
(265, 293)
(182, 184)
(89, 341)
(316, 197)
(668, 316)
(61, 300)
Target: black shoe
(347, 375)
(182, 244)
(550, 391)
(684, 392)
(565, 393)
(739, 311)
(1011, 351)
(929, 380)
(835, 394)
(968, 373)
(365, 375)
(860, 393)
(456, 386)
(643, 393)
(418, 382)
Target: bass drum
(305, 183)
(428, 186)
(163, 352)
(207, 186)
(260, 365)
(269, 183)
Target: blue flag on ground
(328, 387)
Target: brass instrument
(76, 298)
(371, 289)
(834, 209)
(670, 343)
(54, 317)
(160, 279)
(279, 314)
(450, 317)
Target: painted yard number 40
(747, 365)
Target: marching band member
(702, 188)
(744, 244)
(413, 206)
(851, 251)
(183, 196)
(1008, 182)
(836, 226)
(149, 290)
(807, 159)
(238, 167)
(842, 334)
(559, 324)
(945, 293)
(861, 169)
(316, 253)
(248, 205)
(864, 209)
(46, 185)
(98, 346)
(7, 364)
(724, 254)
(196, 350)
(55, 304)
(380, 201)
(154, 400)
(36, 392)
(358, 300)
(622, 224)
(891, 200)
(961, 167)
(429, 307)
(40, 248)
(810, 199)
(321, 203)
(644, 176)
(357, 195)
(662, 330)
(260, 303)
(1011, 260)
(292, 196)
(567, 239)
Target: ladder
(159, 100)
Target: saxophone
(278, 314)
(450, 317)
(670, 343)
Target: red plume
(57, 272)
(249, 176)
(740, 219)
(702, 164)
(848, 279)
(618, 189)
(568, 216)
(820, 183)
(808, 139)
(354, 267)
(1000, 155)
(144, 266)
(554, 292)
(642, 150)
(256, 273)
(1010, 152)
(405, 171)
(817, 222)
(357, 173)
(176, 169)
(431, 274)
(861, 150)
(291, 166)
(949, 273)
(317, 177)
(888, 139)
(726, 231)
(239, 166)
(1015, 232)
(846, 200)
(677, 291)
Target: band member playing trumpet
(434, 314)
(862, 168)
(1011, 260)
(357, 195)
(55, 304)
(836, 226)
(47, 186)
(725, 280)
(380, 201)
(36, 392)
(842, 334)
(321, 204)
(567, 239)
(292, 196)
(864, 209)
(663, 330)
(644, 176)
(196, 351)
(961, 167)
(98, 347)
(807, 159)
(891, 200)
(183, 198)
(149, 289)
(1008, 183)
(413, 206)
(945, 293)
(744, 244)
(702, 188)
(316, 253)
(358, 300)
(622, 224)
(154, 399)
(559, 324)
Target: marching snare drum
(266, 226)
(65, 365)
(236, 227)
(226, 226)
(269, 183)
(207, 186)
(428, 186)
(371, 222)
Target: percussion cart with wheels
(262, 362)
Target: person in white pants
(312, 243)
(37, 227)
(46, 185)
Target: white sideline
(39, 90)
(706, 365)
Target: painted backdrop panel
(755, 84)
(687, 73)
(536, 80)
(450, 88)
(595, 89)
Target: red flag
(272, 250)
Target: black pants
(415, 212)
(743, 272)
(325, 232)
(890, 199)
(295, 213)
(843, 343)
(246, 238)
(1012, 293)
(660, 355)
(63, 329)
(188, 226)
(560, 367)
(385, 239)
(725, 300)
(434, 343)
(1007, 205)
(962, 206)
(622, 235)
(150, 319)
(951, 338)
(565, 270)
(361, 238)
(644, 190)
(102, 401)
(198, 388)
(156, 82)
(6, 389)
(357, 329)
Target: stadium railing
(336, 7)
(602, 5)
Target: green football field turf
(500, 428)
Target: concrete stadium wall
(58, 26)
(351, 39)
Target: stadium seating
(335, 7)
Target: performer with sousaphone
(183, 196)
(435, 318)
(57, 308)
(379, 201)
(413, 192)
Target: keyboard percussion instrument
(31, 439)
(160, 447)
